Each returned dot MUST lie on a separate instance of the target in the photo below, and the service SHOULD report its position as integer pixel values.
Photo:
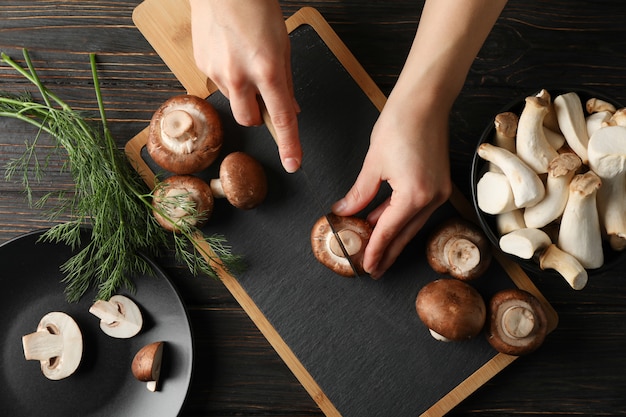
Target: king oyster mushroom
(57, 345)
(185, 134)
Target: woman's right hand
(243, 47)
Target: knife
(270, 127)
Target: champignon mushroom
(451, 309)
(354, 234)
(185, 134)
(532, 145)
(517, 323)
(182, 200)
(119, 317)
(527, 187)
(580, 234)
(146, 365)
(242, 181)
(459, 248)
(57, 345)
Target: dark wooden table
(581, 369)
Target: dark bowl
(479, 166)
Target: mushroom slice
(517, 322)
(242, 181)
(459, 248)
(185, 134)
(119, 317)
(452, 310)
(182, 200)
(354, 234)
(57, 345)
(146, 366)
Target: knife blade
(270, 127)
(324, 210)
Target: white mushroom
(57, 345)
(550, 121)
(524, 243)
(565, 264)
(597, 121)
(571, 117)
(595, 105)
(119, 317)
(618, 118)
(607, 158)
(494, 194)
(560, 172)
(505, 132)
(532, 146)
(580, 234)
(528, 189)
(509, 221)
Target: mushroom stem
(178, 130)
(350, 239)
(532, 145)
(524, 243)
(216, 188)
(569, 112)
(42, 345)
(518, 321)
(565, 264)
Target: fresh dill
(109, 198)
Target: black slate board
(360, 339)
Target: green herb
(109, 197)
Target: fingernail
(291, 165)
(339, 206)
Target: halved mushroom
(57, 345)
(459, 248)
(517, 323)
(185, 134)
(146, 366)
(451, 309)
(119, 317)
(182, 200)
(242, 181)
(353, 232)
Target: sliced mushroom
(185, 135)
(580, 234)
(242, 181)
(517, 323)
(561, 170)
(571, 117)
(354, 234)
(57, 345)
(182, 200)
(528, 189)
(607, 158)
(146, 366)
(452, 310)
(119, 317)
(459, 248)
(532, 145)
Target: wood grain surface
(535, 44)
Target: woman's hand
(243, 47)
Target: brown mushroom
(459, 248)
(57, 345)
(451, 309)
(146, 366)
(242, 181)
(517, 322)
(182, 200)
(354, 234)
(185, 134)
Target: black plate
(103, 385)
(479, 166)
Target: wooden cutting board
(356, 345)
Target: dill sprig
(109, 197)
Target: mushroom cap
(185, 134)
(182, 198)
(517, 322)
(242, 180)
(354, 233)
(119, 317)
(58, 329)
(459, 248)
(451, 308)
(146, 365)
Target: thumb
(360, 195)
